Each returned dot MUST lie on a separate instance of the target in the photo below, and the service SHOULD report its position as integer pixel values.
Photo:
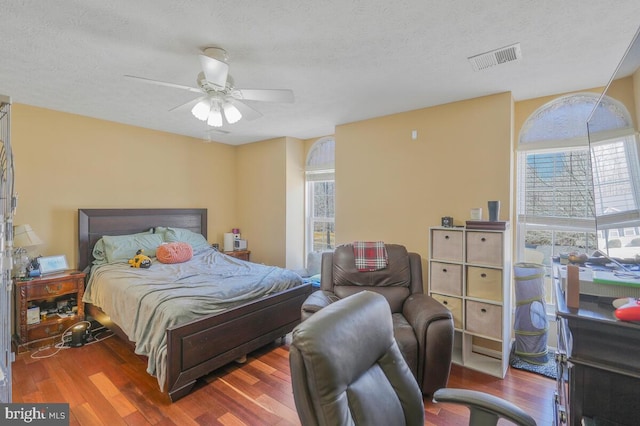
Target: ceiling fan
(221, 101)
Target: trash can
(530, 325)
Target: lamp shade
(231, 113)
(215, 116)
(24, 236)
(211, 110)
(201, 109)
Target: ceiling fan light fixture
(215, 116)
(231, 113)
(201, 109)
(220, 102)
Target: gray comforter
(145, 302)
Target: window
(320, 194)
(563, 186)
(616, 193)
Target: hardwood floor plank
(50, 388)
(177, 415)
(214, 408)
(101, 406)
(152, 411)
(244, 375)
(278, 408)
(265, 397)
(197, 404)
(230, 420)
(213, 420)
(112, 394)
(65, 384)
(246, 409)
(269, 385)
(136, 419)
(272, 383)
(35, 397)
(23, 383)
(261, 366)
(106, 383)
(85, 415)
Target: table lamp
(24, 238)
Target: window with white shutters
(564, 182)
(320, 194)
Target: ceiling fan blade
(188, 103)
(164, 83)
(215, 71)
(210, 134)
(265, 95)
(247, 112)
(218, 131)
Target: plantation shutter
(615, 182)
(555, 192)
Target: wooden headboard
(94, 223)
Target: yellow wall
(623, 90)
(64, 162)
(388, 186)
(271, 200)
(295, 183)
(261, 213)
(392, 188)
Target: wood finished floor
(106, 384)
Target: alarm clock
(447, 221)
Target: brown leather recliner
(422, 326)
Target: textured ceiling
(345, 60)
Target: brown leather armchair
(422, 327)
(352, 375)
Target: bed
(200, 345)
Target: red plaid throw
(370, 255)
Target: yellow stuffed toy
(140, 260)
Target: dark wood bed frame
(198, 347)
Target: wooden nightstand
(59, 301)
(240, 254)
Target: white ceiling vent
(496, 57)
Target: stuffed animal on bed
(140, 260)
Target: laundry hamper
(531, 325)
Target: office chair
(346, 367)
(485, 409)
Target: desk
(598, 363)
(588, 286)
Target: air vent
(496, 57)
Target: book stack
(482, 224)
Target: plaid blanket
(370, 255)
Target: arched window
(558, 174)
(320, 211)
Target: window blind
(615, 186)
(555, 185)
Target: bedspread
(145, 302)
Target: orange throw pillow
(174, 252)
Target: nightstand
(47, 306)
(239, 254)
